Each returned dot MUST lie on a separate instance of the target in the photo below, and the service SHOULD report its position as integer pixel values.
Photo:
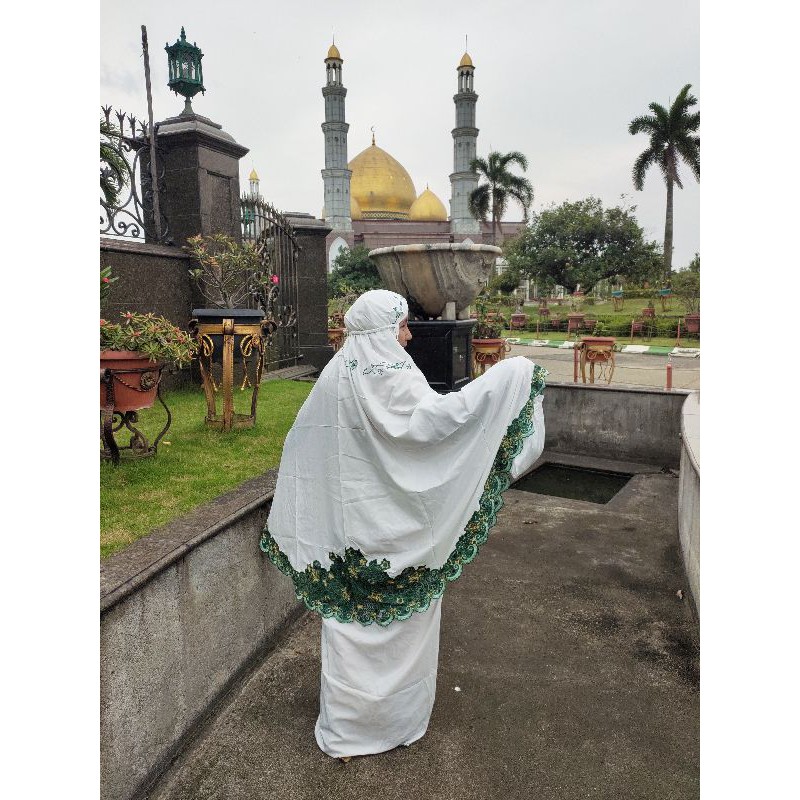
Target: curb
(652, 349)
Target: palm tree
(501, 186)
(673, 137)
(113, 167)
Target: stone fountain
(440, 281)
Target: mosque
(372, 201)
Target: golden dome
(253, 175)
(380, 185)
(428, 208)
(466, 61)
(333, 52)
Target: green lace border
(354, 589)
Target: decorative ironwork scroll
(126, 197)
(276, 244)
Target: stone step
(290, 373)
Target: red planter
(135, 379)
(692, 322)
(336, 338)
(486, 353)
(519, 321)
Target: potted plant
(597, 349)
(649, 310)
(337, 307)
(686, 286)
(519, 319)
(487, 345)
(229, 275)
(136, 350)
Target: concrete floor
(576, 660)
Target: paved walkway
(568, 669)
(632, 369)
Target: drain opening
(574, 483)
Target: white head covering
(387, 488)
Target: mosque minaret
(372, 201)
(464, 181)
(336, 175)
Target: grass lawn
(197, 465)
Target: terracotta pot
(487, 352)
(648, 312)
(519, 321)
(575, 322)
(598, 348)
(133, 389)
(335, 337)
(692, 323)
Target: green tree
(353, 269)
(673, 137)
(113, 167)
(686, 285)
(501, 186)
(506, 282)
(581, 243)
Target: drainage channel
(574, 483)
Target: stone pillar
(312, 289)
(202, 178)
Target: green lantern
(185, 70)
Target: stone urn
(434, 275)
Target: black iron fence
(126, 182)
(275, 241)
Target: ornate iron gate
(127, 207)
(275, 241)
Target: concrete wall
(184, 612)
(619, 423)
(689, 494)
(187, 610)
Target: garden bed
(197, 465)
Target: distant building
(372, 201)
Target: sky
(558, 81)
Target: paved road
(632, 369)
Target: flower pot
(336, 338)
(692, 322)
(519, 321)
(214, 316)
(486, 353)
(649, 312)
(135, 379)
(575, 322)
(596, 350)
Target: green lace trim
(354, 589)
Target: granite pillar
(312, 289)
(201, 164)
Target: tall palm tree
(500, 187)
(673, 137)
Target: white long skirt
(378, 684)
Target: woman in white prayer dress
(386, 490)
